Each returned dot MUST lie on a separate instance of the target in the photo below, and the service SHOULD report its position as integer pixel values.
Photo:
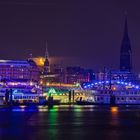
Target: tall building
(126, 52)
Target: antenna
(46, 51)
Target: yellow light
(47, 84)
(31, 83)
(41, 82)
(41, 61)
(61, 85)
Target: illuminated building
(118, 75)
(62, 93)
(18, 70)
(68, 75)
(56, 75)
(77, 75)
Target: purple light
(129, 84)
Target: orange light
(114, 88)
(39, 61)
(41, 82)
(114, 109)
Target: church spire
(125, 26)
(125, 52)
(46, 51)
(125, 35)
(46, 63)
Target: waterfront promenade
(70, 122)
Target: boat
(122, 97)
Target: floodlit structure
(18, 70)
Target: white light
(126, 83)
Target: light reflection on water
(114, 116)
(76, 108)
(69, 122)
(55, 108)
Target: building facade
(76, 75)
(18, 70)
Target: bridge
(113, 84)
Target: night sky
(85, 32)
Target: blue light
(122, 82)
(96, 83)
(126, 83)
(107, 82)
(137, 87)
(118, 82)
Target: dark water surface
(70, 123)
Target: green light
(52, 130)
(77, 84)
(52, 91)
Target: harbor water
(70, 122)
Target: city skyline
(78, 33)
